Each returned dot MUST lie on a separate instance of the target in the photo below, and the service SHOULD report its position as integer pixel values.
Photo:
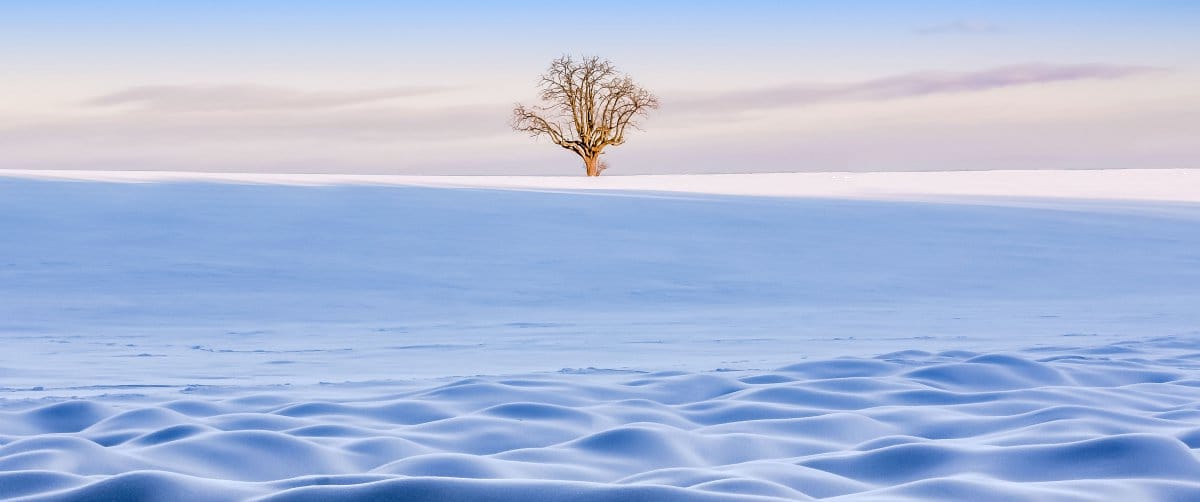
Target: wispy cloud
(381, 137)
(958, 28)
(244, 97)
(905, 86)
(372, 124)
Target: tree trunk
(593, 165)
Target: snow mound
(1050, 424)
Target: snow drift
(1067, 423)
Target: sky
(395, 87)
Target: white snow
(883, 336)
(1115, 184)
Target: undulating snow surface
(646, 338)
(1111, 422)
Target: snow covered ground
(1141, 184)
(931, 336)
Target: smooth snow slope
(210, 340)
(211, 283)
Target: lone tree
(588, 105)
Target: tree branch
(592, 97)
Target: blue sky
(424, 88)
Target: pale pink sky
(314, 86)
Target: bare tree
(587, 106)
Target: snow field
(322, 337)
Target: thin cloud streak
(903, 86)
(243, 97)
(388, 124)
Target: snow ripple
(1119, 422)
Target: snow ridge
(1179, 185)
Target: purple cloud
(907, 86)
(241, 97)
